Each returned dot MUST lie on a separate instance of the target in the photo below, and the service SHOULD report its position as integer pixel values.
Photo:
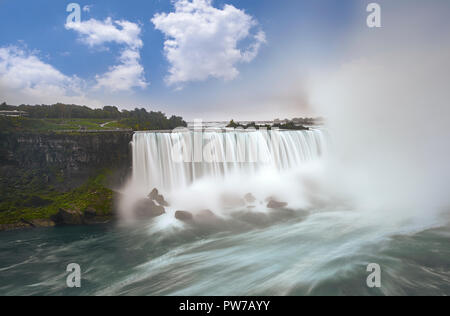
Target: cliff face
(43, 175)
(64, 160)
(71, 151)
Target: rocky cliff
(65, 159)
(39, 172)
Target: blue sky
(252, 65)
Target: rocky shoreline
(45, 174)
(151, 207)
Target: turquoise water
(325, 253)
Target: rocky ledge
(74, 216)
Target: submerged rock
(249, 198)
(155, 196)
(206, 216)
(146, 208)
(274, 204)
(232, 201)
(90, 212)
(183, 216)
(24, 221)
(206, 213)
(68, 217)
(92, 217)
(43, 223)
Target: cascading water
(198, 170)
(248, 249)
(156, 162)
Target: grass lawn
(47, 125)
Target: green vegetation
(40, 202)
(23, 124)
(59, 117)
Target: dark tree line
(136, 119)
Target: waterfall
(175, 160)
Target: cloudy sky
(246, 59)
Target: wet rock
(184, 216)
(232, 201)
(206, 213)
(68, 217)
(274, 204)
(146, 208)
(249, 198)
(205, 216)
(43, 223)
(92, 217)
(24, 221)
(209, 220)
(90, 213)
(155, 196)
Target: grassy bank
(37, 202)
(23, 124)
(68, 117)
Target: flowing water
(319, 244)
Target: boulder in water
(184, 216)
(232, 201)
(92, 217)
(205, 216)
(68, 217)
(274, 204)
(146, 208)
(249, 198)
(90, 213)
(155, 196)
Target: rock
(184, 216)
(207, 219)
(43, 223)
(27, 222)
(68, 217)
(155, 196)
(249, 198)
(205, 215)
(146, 208)
(160, 200)
(90, 213)
(232, 201)
(24, 224)
(273, 204)
(91, 217)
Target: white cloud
(25, 78)
(202, 41)
(125, 76)
(94, 32)
(129, 73)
